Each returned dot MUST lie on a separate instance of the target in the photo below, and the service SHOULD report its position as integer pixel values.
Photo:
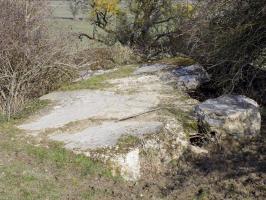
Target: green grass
(43, 170)
(29, 109)
(32, 169)
(100, 81)
(127, 141)
(70, 25)
(64, 159)
(46, 171)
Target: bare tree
(143, 24)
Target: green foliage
(189, 124)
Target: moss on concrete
(190, 125)
(100, 81)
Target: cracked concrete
(140, 97)
(84, 104)
(106, 134)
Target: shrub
(30, 61)
(105, 57)
(142, 24)
(124, 55)
(229, 38)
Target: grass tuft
(190, 125)
(128, 141)
(100, 81)
(30, 108)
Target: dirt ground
(232, 171)
(223, 174)
(236, 174)
(32, 173)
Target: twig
(137, 115)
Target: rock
(190, 77)
(150, 69)
(129, 165)
(230, 115)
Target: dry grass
(30, 170)
(105, 57)
(100, 81)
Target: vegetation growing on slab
(227, 37)
(100, 81)
(189, 124)
(127, 141)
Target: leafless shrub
(124, 55)
(30, 61)
(142, 24)
(228, 37)
(105, 57)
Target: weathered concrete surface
(230, 115)
(106, 134)
(79, 105)
(147, 105)
(88, 120)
